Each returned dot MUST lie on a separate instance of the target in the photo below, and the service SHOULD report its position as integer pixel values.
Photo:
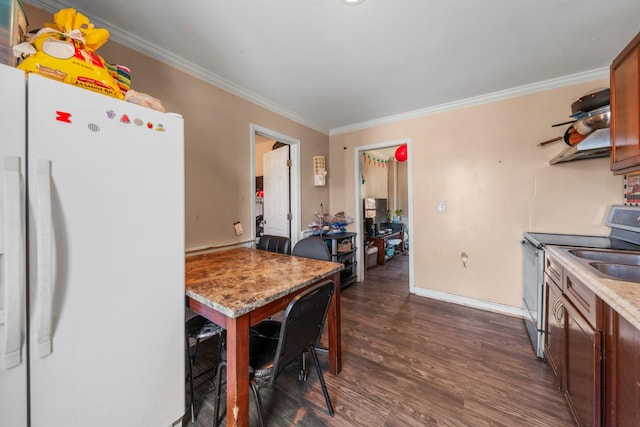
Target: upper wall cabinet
(625, 109)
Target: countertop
(622, 296)
(236, 281)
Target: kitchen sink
(608, 257)
(629, 273)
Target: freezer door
(106, 192)
(13, 351)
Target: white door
(276, 192)
(13, 352)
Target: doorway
(393, 189)
(287, 188)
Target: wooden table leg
(238, 372)
(335, 335)
(381, 253)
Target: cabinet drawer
(584, 299)
(552, 267)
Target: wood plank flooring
(412, 361)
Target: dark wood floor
(413, 361)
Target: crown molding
(586, 76)
(138, 44)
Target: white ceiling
(334, 67)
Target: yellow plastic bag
(65, 51)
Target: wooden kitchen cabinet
(583, 369)
(621, 371)
(583, 375)
(554, 339)
(625, 109)
(573, 342)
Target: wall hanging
(319, 171)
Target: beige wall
(497, 184)
(403, 190)
(263, 145)
(376, 179)
(482, 160)
(217, 150)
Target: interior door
(276, 192)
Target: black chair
(278, 244)
(312, 247)
(316, 248)
(199, 328)
(274, 345)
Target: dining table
(238, 288)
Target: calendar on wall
(631, 189)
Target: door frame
(294, 174)
(358, 202)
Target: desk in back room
(381, 241)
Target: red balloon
(401, 153)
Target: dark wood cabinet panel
(598, 363)
(554, 345)
(583, 374)
(625, 109)
(621, 371)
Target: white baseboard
(215, 248)
(470, 302)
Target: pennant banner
(381, 163)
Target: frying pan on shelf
(597, 119)
(591, 101)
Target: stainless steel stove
(625, 235)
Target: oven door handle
(530, 246)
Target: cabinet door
(625, 109)
(555, 332)
(622, 371)
(583, 368)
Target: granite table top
(237, 281)
(622, 296)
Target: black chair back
(302, 324)
(275, 344)
(312, 247)
(278, 244)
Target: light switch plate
(238, 227)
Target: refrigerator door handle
(11, 313)
(44, 244)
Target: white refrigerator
(91, 258)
